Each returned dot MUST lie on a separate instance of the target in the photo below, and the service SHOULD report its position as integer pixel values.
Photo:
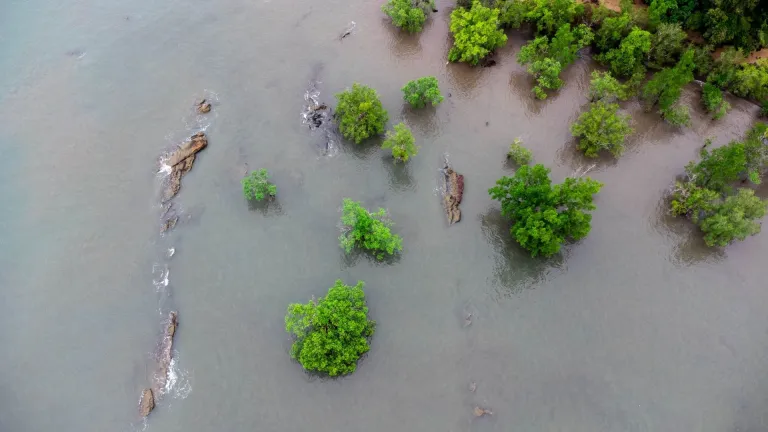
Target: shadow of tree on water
(514, 269)
(351, 259)
(686, 240)
(400, 178)
(267, 207)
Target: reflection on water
(514, 268)
(400, 178)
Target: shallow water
(639, 327)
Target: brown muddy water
(639, 327)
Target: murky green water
(636, 328)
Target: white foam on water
(171, 252)
(163, 279)
(178, 384)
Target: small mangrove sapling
(257, 186)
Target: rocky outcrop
(147, 402)
(203, 107)
(454, 190)
(181, 161)
(479, 412)
(166, 350)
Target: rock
(204, 107)
(181, 162)
(166, 350)
(454, 190)
(147, 402)
(479, 412)
(168, 224)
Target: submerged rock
(181, 162)
(479, 412)
(147, 402)
(454, 191)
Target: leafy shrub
(601, 128)
(550, 15)
(702, 58)
(751, 81)
(676, 115)
(714, 101)
(519, 154)
(512, 12)
(764, 108)
(667, 85)
(612, 31)
(360, 113)
(546, 59)
(421, 91)
(741, 22)
(407, 15)
(726, 66)
(401, 142)
(332, 332)
(692, 201)
(629, 57)
(733, 219)
(719, 168)
(476, 33)
(666, 45)
(605, 87)
(369, 231)
(545, 216)
(256, 186)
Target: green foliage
(764, 108)
(718, 168)
(421, 91)
(726, 66)
(332, 332)
(369, 231)
(476, 33)
(546, 58)
(545, 216)
(407, 15)
(629, 57)
(519, 154)
(601, 128)
(256, 186)
(666, 86)
(401, 142)
(751, 81)
(714, 101)
(604, 87)
(693, 201)
(744, 23)
(733, 219)
(550, 15)
(676, 115)
(666, 45)
(702, 58)
(360, 113)
(612, 31)
(512, 12)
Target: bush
(719, 168)
(601, 128)
(360, 113)
(666, 45)
(519, 154)
(369, 231)
(742, 23)
(677, 115)
(551, 15)
(407, 15)
(546, 59)
(726, 66)
(612, 31)
(545, 216)
(702, 58)
(401, 142)
(421, 91)
(606, 88)
(733, 219)
(512, 12)
(751, 81)
(332, 332)
(714, 101)
(764, 108)
(666, 86)
(629, 57)
(476, 33)
(256, 186)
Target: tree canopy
(544, 216)
(629, 57)
(360, 113)
(409, 15)
(368, 230)
(401, 142)
(332, 332)
(601, 128)
(476, 33)
(257, 186)
(421, 91)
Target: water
(639, 327)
